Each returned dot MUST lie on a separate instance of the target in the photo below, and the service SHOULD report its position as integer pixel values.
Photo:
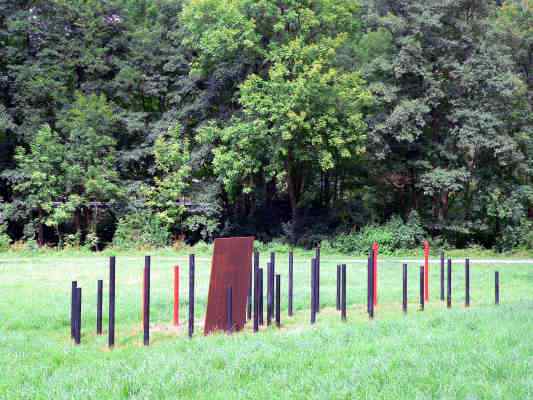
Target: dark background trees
(299, 120)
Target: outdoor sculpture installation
(231, 268)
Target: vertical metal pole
(497, 287)
(372, 287)
(426, 270)
(442, 276)
(229, 310)
(73, 308)
(343, 292)
(338, 302)
(176, 316)
(146, 301)
(370, 265)
(256, 291)
(99, 306)
(272, 283)
(467, 282)
(250, 288)
(375, 248)
(278, 300)
(317, 282)
(191, 294)
(404, 289)
(270, 293)
(78, 316)
(261, 295)
(449, 286)
(111, 330)
(313, 291)
(422, 284)
(291, 276)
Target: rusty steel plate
(231, 267)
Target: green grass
(485, 351)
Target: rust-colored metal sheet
(231, 266)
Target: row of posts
(255, 295)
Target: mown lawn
(485, 351)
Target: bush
(516, 236)
(392, 236)
(4, 239)
(141, 230)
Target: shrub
(4, 239)
(140, 230)
(392, 236)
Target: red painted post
(426, 270)
(176, 295)
(375, 248)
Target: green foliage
(392, 236)
(5, 241)
(141, 230)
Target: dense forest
(153, 121)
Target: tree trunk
(295, 183)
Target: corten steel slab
(231, 267)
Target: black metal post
(250, 287)
(270, 292)
(291, 276)
(272, 284)
(261, 295)
(256, 291)
(111, 330)
(313, 291)
(278, 300)
(229, 309)
(317, 298)
(73, 308)
(497, 287)
(404, 288)
(99, 306)
(369, 285)
(146, 301)
(191, 294)
(77, 337)
(338, 302)
(442, 276)
(421, 288)
(467, 282)
(449, 286)
(343, 292)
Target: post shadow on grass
(111, 330)
(191, 294)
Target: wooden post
(176, 316)
(278, 300)
(146, 301)
(111, 330)
(99, 306)
(291, 277)
(191, 294)
(404, 289)
(343, 292)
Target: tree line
(137, 121)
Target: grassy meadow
(482, 352)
